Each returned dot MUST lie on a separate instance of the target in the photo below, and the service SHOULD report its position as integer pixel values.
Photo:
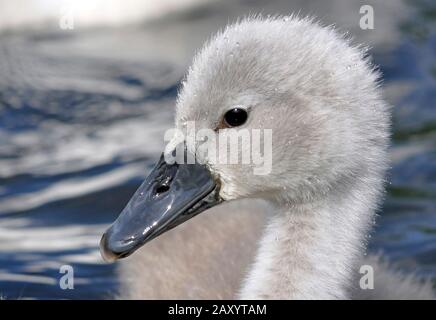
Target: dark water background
(82, 116)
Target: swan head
(313, 100)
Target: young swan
(330, 130)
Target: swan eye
(235, 117)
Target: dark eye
(235, 117)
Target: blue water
(81, 122)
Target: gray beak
(170, 195)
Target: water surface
(82, 116)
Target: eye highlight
(235, 117)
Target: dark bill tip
(106, 252)
(111, 250)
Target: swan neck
(311, 251)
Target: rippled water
(81, 121)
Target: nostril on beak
(162, 188)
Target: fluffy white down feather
(306, 237)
